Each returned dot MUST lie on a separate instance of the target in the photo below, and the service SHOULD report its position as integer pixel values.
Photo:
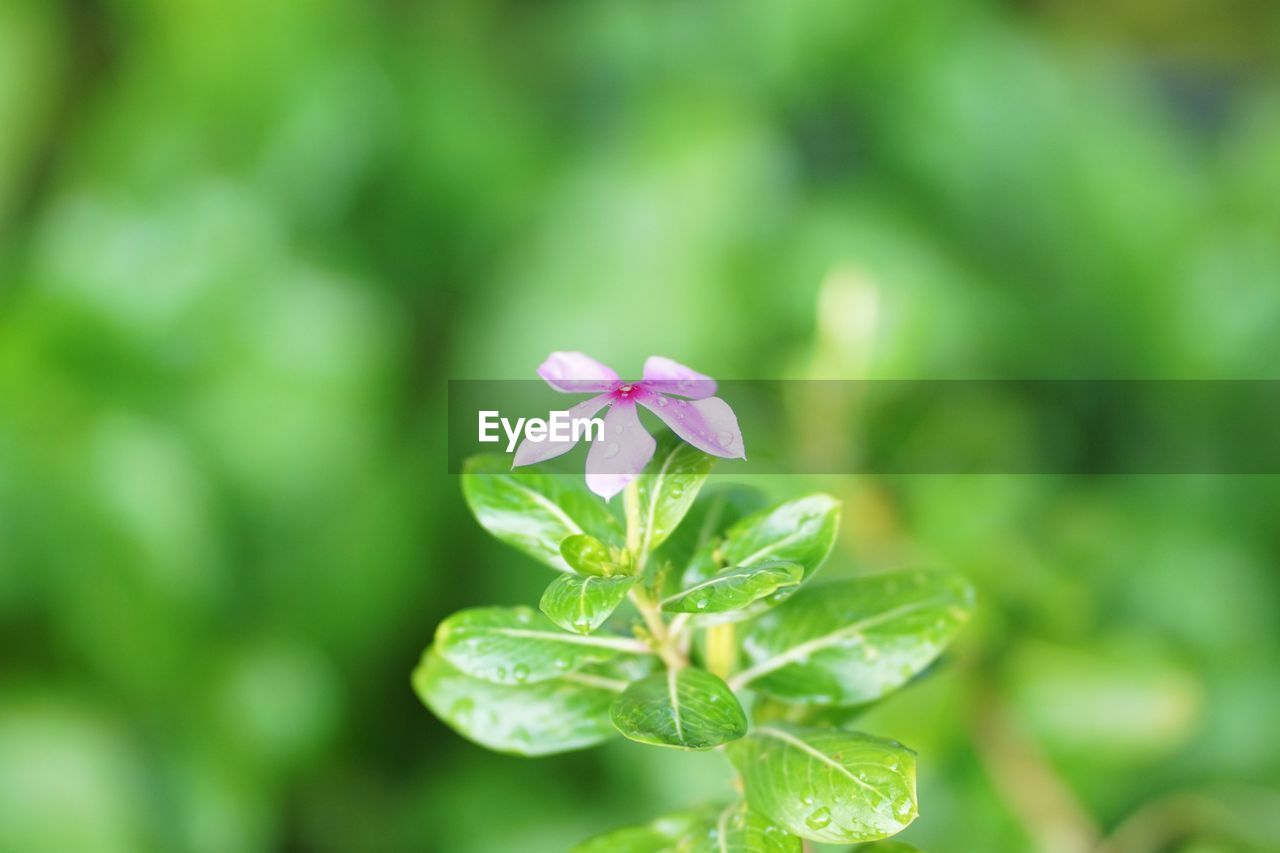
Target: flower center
(624, 392)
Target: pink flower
(680, 397)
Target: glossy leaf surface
(582, 603)
(667, 488)
(587, 555)
(534, 512)
(738, 829)
(688, 708)
(828, 785)
(849, 642)
(661, 835)
(801, 531)
(518, 645)
(734, 588)
(566, 713)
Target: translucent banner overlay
(1092, 427)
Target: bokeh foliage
(243, 244)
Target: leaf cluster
(693, 622)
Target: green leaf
(534, 512)
(517, 645)
(731, 829)
(562, 714)
(717, 509)
(849, 642)
(581, 604)
(738, 829)
(668, 487)
(660, 835)
(587, 555)
(828, 785)
(734, 587)
(886, 847)
(686, 707)
(800, 531)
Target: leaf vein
(817, 644)
(797, 743)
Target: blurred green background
(243, 245)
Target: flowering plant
(689, 621)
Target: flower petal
(671, 377)
(531, 451)
(622, 454)
(573, 372)
(709, 425)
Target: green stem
(665, 642)
(722, 653)
(631, 505)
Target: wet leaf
(849, 642)
(518, 645)
(688, 708)
(827, 785)
(534, 512)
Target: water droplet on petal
(611, 450)
(724, 438)
(662, 401)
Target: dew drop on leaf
(818, 819)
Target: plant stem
(665, 641)
(722, 653)
(635, 535)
